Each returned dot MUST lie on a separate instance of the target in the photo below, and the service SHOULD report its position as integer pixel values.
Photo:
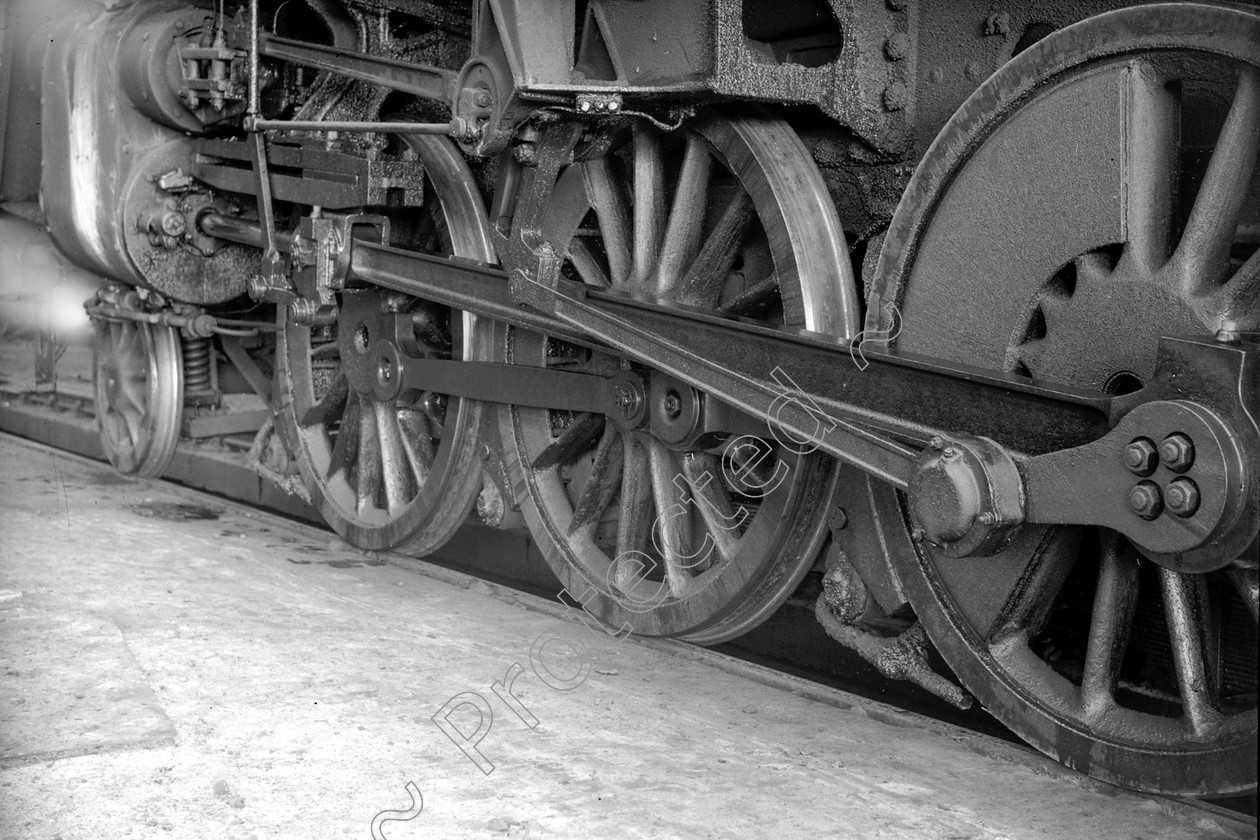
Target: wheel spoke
(1035, 593)
(673, 519)
(368, 483)
(116, 428)
(587, 265)
(395, 470)
(756, 295)
(1152, 144)
(346, 447)
(1186, 611)
(686, 216)
(133, 422)
(1110, 622)
(649, 203)
(131, 388)
(124, 339)
(707, 273)
(1202, 256)
(417, 440)
(634, 525)
(578, 438)
(331, 406)
(703, 473)
(604, 481)
(607, 196)
(1240, 296)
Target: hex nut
(1141, 456)
(1177, 452)
(1182, 497)
(1145, 500)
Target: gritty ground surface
(176, 666)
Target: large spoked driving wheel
(139, 394)
(727, 214)
(1098, 192)
(400, 473)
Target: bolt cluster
(1180, 496)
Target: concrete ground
(177, 666)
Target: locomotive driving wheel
(139, 388)
(400, 473)
(1096, 193)
(701, 541)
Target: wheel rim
(139, 394)
(404, 473)
(712, 572)
(1129, 672)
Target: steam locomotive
(953, 304)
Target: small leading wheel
(403, 473)
(700, 543)
(139, 384)
(1098, 192)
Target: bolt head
(1145, 500)
(897, 46)
(584, 106)
(1177, 452)
(896, 96)
(672, 405)
(1141, 457)
(1182, 497)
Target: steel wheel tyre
(1044, 234)
(402, 474)
(139, 386)
(748, 206)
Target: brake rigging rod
(454, 128)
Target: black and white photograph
(629, 419)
